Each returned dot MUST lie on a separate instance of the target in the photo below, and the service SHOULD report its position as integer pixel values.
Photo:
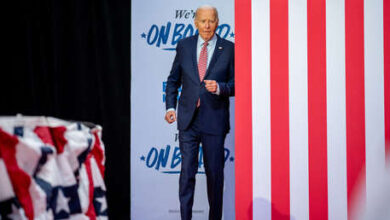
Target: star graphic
(62, 202)
(49, 212)
(143, 35)
(16, 214)
(231, 158)
(232, 34)
(103, 204)
(143, 158)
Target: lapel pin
(220, 48)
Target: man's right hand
(170, 117)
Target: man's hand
(170, 117)
(211, 85)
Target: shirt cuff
(171, 109)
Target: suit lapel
(217, 52)
(194, 48)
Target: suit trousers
(213, 157)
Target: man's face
(206, 23)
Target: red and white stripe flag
(312, 106)
(51, 169)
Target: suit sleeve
(227, 88)
(173, 81)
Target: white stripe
(261, 109)
(374, 98)
(298, 98)
(336, 124)
(6, 190)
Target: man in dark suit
(204, 67)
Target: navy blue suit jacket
(214, 109)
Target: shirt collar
(212, 41)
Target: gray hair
(207, 7)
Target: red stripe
(20, 180)
(243, 111)
(43, 132)
(91, 210)
(317, 127)
(280, 181)
(98, 153)
(386, 43)
(58, 135)
(355, 106)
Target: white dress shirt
(210, 48)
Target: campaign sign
(156, 28)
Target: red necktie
(202, 64)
